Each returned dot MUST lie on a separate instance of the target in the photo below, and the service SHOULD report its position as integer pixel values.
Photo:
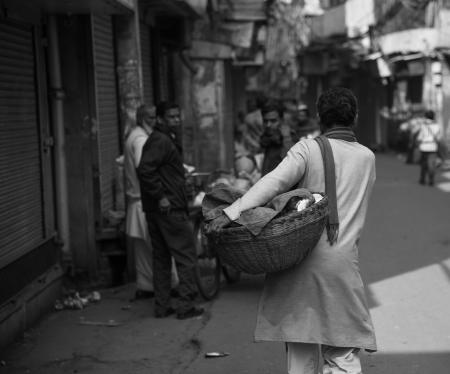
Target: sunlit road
(405, 262)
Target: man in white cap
(304, 126)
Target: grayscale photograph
(224, 186)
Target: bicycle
(209, 268)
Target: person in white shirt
(136, 224)
(427, 140)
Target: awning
(244, 10)
(209, 50)
(238, 34)
(424, 40)
(84, 6)
(408, 57)
(168, 8)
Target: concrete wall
(208, 100)
(350, 19)
(80, 130)
(29, 305)
(446, 98)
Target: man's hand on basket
(218, 223)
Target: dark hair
(271, 106)
(163, 107)
(337, 106)
(140, 113)
(429, 114)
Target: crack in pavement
(193, 346)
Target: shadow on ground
(408, 363)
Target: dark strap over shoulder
(330, 188)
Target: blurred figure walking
(427, 139)
(411, 129)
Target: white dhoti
(143, 260)
(304, 358)
(136, 229)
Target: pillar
(129, 70)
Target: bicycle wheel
(207, 269)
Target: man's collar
(165, 130)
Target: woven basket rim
(259, 237)
(293, 216)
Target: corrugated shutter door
(21, 213)
(164, 75)
(147, 76)
(107, 116)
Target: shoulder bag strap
(330, 188)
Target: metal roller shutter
(21, 196)
(164, 75)
(147, 75)
(107, 111)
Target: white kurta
(136, 224)
(322, 300)
(427, 137)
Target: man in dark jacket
(271, 140)
(162, 181)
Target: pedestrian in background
(427, 139)
(253, 124)
(136, 224)
(412, 128)
(271, 140)
(304, 126)
(319, 307)
(163, 188)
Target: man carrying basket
(319, 307)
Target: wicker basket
(283, 243)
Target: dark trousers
(427, 167)
(172, 235)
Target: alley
(405, 262)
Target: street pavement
(405, 262)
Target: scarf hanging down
(340, 133)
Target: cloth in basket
(266, 241)
(253, 220)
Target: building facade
(393, 54)
(71, 77)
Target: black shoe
(141, 294)
(164, 313)
(190, 313)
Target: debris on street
(216, 354)
(75, 301)
(109, 323)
